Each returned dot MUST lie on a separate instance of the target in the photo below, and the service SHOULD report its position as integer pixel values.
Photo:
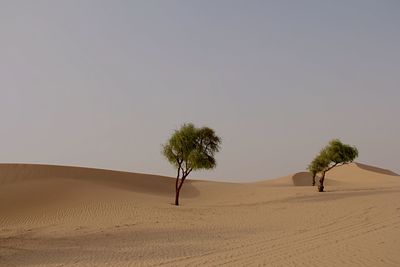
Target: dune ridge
(354, 173)
(376, 169)
(138, 182)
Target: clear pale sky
(104, 83)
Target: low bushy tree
(191, 148)
(334, 154)
(316, 166)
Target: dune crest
(354, 173)
(376, 169)
(137, 182)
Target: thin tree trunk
(178, 185)
(321, 182)
(177, 197)
(178, 189)
(177, 178)
(313, 179)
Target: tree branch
(178, 175)
(337, 164)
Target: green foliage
(317, 165)
(338, 153)
(333, 154)
(192, 148)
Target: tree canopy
(334, 154)
(191, 148)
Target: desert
(199, 133)
(70, 216)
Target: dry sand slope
(65, 216)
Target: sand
(68, 216)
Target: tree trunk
(313, 179)
(177, 183)
(177, 196)
(321, 183)
(178, 189)
(177, 186)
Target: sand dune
(70, 216)
(355, 173)
(143, 183)
(375, 169)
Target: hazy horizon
(104, 83)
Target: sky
(105, 83)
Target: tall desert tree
(334, 154)
(189, 149)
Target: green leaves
(335, 153)
(192, 148)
